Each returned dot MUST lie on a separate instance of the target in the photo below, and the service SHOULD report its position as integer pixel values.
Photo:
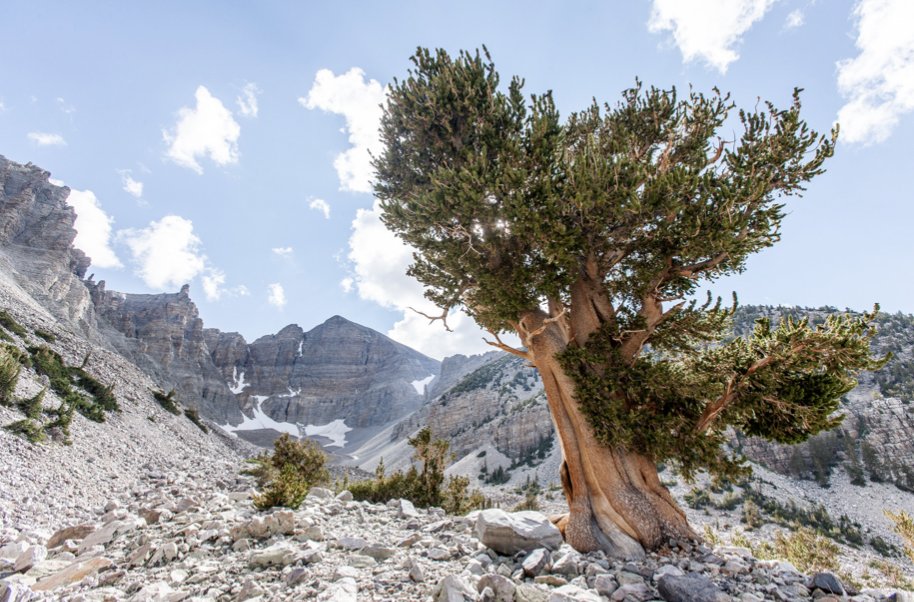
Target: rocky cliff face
(339, 374)
(36, 238)
(492, 402)
(339, 371)
(164, 335)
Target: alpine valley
(143, 503)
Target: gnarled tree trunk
(616, 501)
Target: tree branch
(716, 407)
(505, 347)
(432, 319)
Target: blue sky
(225, 144)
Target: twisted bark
(615, 498)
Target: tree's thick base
(615, 498)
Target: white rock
(13, 550)
(509, 533)
(454, 589)
(406, 509)
(319, 493)
(282, 554)
(344, 590)
(573, 593)
(30, 557)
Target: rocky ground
(177, 538)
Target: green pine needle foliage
(167, 401)
(9, 375)
(286, 475)
(426, 486)
(194, 416)
(9, 323)
(622, 211)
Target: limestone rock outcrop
(36, 242)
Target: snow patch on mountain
(419, 385)
(237, 385)
(335, 431)
(261, 420)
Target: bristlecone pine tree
(587, 237)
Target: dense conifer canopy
(624, 209)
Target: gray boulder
(510, 533)
(690, 588)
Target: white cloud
(795, 19)
(320, 205)
(46, 139)
(247, 102)
(166, 253)
(65, 107)
(93, 229)
(707, 29)
(283, 251)
(379, 261)
(214, 288)
(213, 283)
(276, 295)
(2, 106)
(359, 101)
(207, 130)
(132, 187)
(879, 82)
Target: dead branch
(432, 319)
(505, 347)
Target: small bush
(44, 334)
(167, 401)
(9, 375)
(10, 324)
(426, 487)
(804, 549)
(884, 548)
(194, 417)
(698, 499)
(30, 429)
(530, 502)
(23, 357)
(752, 518)
(102, 394)
(33, 407)
(286, 476)
(904, 526)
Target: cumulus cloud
(359, 101)
(707, 29)
(795, 19)
(379, 261)
(879, 82)
(2, 106)
(213, 280)
(276, 295)
(213, 284)
(93, 229)
(320, 205)
(132, 187)
(46, 139)
(207, 130)
(283, 251)
(247, 102)
(166, 253)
